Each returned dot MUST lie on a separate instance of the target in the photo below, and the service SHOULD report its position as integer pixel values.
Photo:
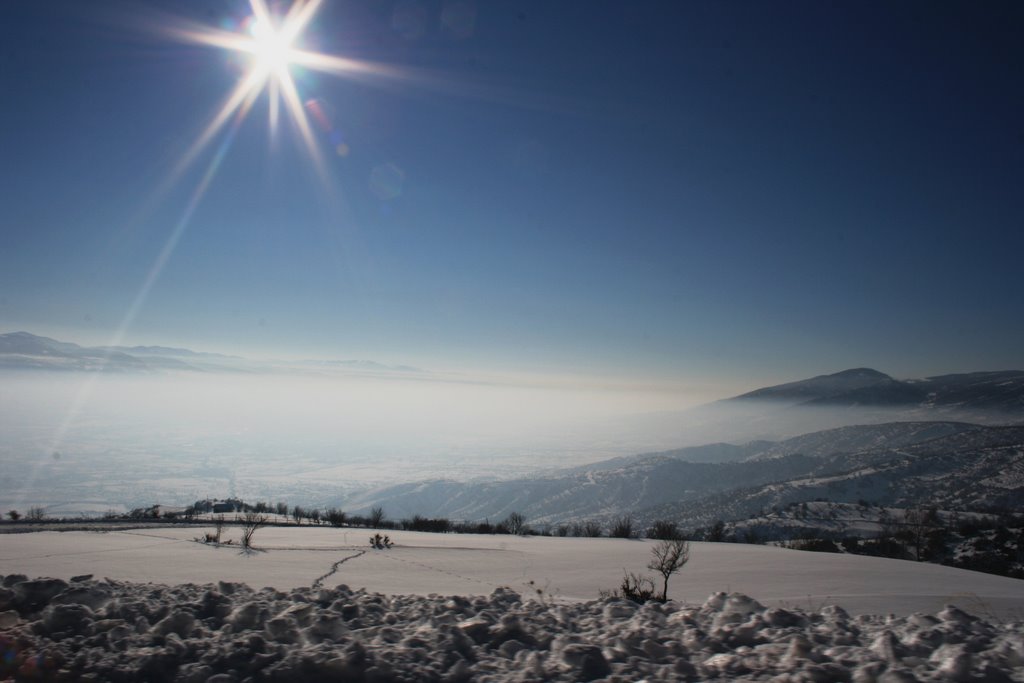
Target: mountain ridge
(658, 485)
(26, 351)
(996, 389)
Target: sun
(273, 41)
(271, 48)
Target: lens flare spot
(342, 149)
(386, 181)
(318, 112)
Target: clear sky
(672, 191)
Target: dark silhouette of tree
(622, 527)
(716, 534)
(515, 523)
(668, 557)
(664, 530)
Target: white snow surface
(169, 608)
(476, 564)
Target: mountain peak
(861, 372)
(822, 386)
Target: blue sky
(681, 192)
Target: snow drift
(51, 629)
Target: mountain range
(960, 465)
(908, 462)
(26, 351)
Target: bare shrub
(635, 587)
(622, 527)
(380, 542)
(592, 529)
(250, 523)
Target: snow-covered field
(339, 610)
(450, 564)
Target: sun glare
(272, 42)
(271, 48)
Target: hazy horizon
(92, 441)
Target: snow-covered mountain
(901, 463)
(967, 469)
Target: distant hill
(822, 387)
(966, 470)
(859, 396)
(26, 351)
(889, 463)
(998, 390)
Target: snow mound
(51, 629)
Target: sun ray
(274, 93)
(294, 105)
(298, 17)
(246, 90)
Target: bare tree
(515, 523)
(250, 523)
(668, 557)
(716, 534)
(917, 523)
(35, 514)
(664, 530)
(376, 517)
(335, 517)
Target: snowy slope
(562, 568)
(963, 471)
(903, 462)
